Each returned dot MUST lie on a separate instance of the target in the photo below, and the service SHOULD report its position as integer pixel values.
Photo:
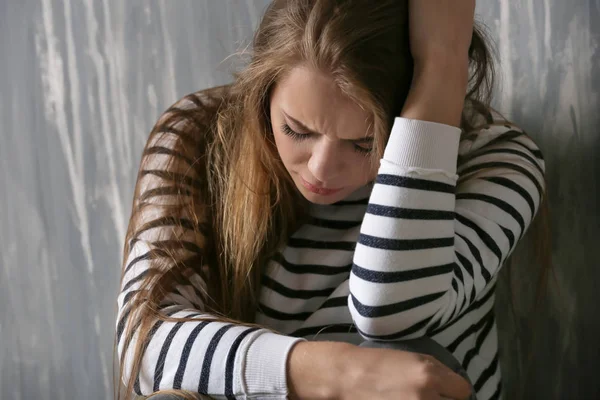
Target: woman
(349, 187)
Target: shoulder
(483, 135)
(501, 149)
(188, 124)
(498, 134)
(199, 107)
(179, 140)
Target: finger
(453, 385)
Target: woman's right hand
(331, 370)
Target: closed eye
(303, 136)
(293, 134)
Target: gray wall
(81, 84)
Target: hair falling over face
(210, 171)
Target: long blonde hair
(233, 192)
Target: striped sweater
(416, 252)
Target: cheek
(373, 169)
(361, 173)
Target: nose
(326, 161)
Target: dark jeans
(422, 345)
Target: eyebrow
(303, 127)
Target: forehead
(313, 98)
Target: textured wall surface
(82, 83)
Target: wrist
(317, 370)
(442, 61)
(438, 91)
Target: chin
(320, 199)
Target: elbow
(397, 321)
(126, 344)
(130, 372)
(374, 322)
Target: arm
(430, 244)
(334, 370)
(202, 355)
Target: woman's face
(321, 136)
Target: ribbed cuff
(423, 144)
(264, 372)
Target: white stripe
(406, 229)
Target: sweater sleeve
(434, 237)
(219, 359)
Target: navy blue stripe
(168, 221)
(409, 213)
(498, 392)
(333, 224)
(504, 206)
(471, 330)
(271, 313)
(128, 297)
(133, 241)
(138, 278)
(507, 183)
(208, 357)
(473, 294)
(401, 334)
(364, 201)
(121, 326)
(174, 176)
(456, 290)
(438, 322)
(400, 276)
(483, 334)
(477, 255)
(509, 151)
(466, 264)
(157, 324)
(178, 115)
(311, 268)
(230, 363)
(509, 235)
(167, 151)
(295, 293)
(177, 244)
(197, 292)
(505, 137)
(145, 256)
(536, 152)
(454, 284)
(483, 235)
(473, 306)
(486, 374)
(394, 308)
(160, 363)
(317, 244)
(404, 244)
(507, 165)
(136, 385)
(164, 191)
(185, 354)
(414, 183)
(458, 275)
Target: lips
(319, 190)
